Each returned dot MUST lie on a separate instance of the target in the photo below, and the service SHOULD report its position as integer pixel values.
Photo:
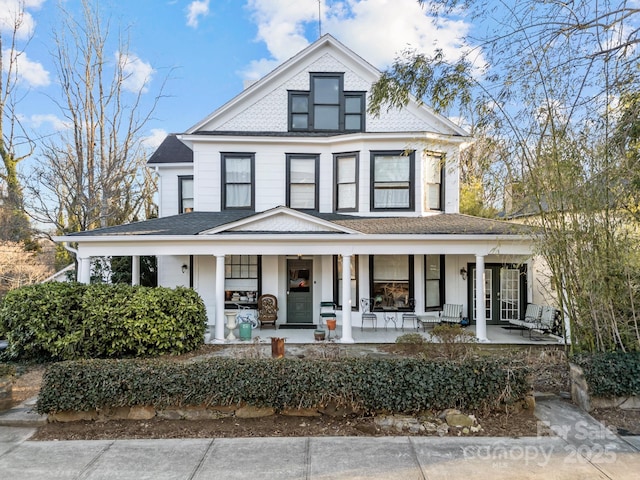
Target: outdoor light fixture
(184, 268)
(463, 273)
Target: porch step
(297, 326)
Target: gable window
(346, 179)
(238, 180)
(433, 183)
(185, 193)
(392, 178)
(302, 181)
(433, 282)
(337, 284)
(299, 108)
(391, 280)
(354, 111)
(326, 106)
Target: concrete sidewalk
(580, 449)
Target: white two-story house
(293, 189)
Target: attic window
(326, 107)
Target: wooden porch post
(219, 328)
(481, 321)
(346, 300)
(84, 270)
(135, 270)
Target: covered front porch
(498, 335)
(484, 265)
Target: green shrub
(393, 385)
(7, 370)
(611, 374)
(66, 321)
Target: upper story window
(346, 180)
(185, 193)
(326, 106)
(238, 180)
(392, 180)
(434, 180)
(302, 181)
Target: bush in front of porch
(367, 385)
(67, 321)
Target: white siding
(168, 188)
(206, 179)
(269, 113)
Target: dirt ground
(550, 374)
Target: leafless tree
(14, 224)
(92, 175)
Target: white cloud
(155, 138)
(58, 124)
(27, 71)
(375, 29)
(14, 15)
(195, 10)
(137, 73)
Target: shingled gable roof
(171, 150)
(291, 66)
(196, 223)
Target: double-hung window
(185, 193)
(238, 180)
(302, 181)
(433, 180)
(392, 180)
(326, 107)
(434, 282)
(346, 180)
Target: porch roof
(194, 223)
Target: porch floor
(496, 334)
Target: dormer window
(326, 107)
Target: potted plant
(319, 335)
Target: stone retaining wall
(582, 397)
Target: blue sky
(209, 48)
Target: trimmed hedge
(612, 374)
(69, 321)
(393, 385)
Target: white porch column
(84, 270)
(481, 321)
(347, 336)
(219, 328)
(135, 270)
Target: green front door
(299, 293)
